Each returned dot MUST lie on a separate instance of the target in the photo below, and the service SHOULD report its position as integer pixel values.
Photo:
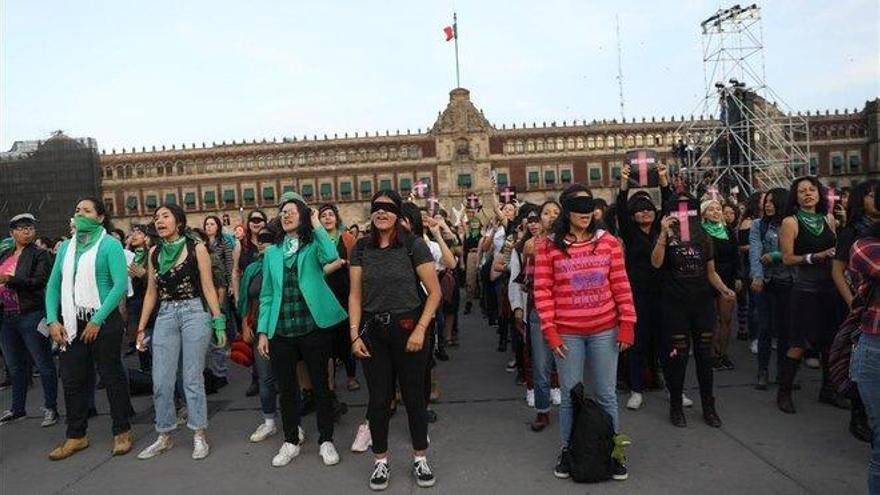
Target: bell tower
(462, 136)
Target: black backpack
(592, 440)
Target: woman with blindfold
(583, 297)
(639, 227)
(390, 315)
(243, 254)
(683, 253)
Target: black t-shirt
(727, 259)
(849, 235)
(338, 280)
(684, 271)
(390, 283)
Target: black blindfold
(386, 207)
(580, 204)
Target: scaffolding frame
(754, 142)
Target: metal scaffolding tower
(753, 141)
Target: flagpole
(455, 33)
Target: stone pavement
(481, 444)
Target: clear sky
(142, 73)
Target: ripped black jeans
(687, 325)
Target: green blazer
(310, 262)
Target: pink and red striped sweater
(584, 292)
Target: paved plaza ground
(481, 444)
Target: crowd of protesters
(623, 293)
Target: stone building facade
(456, 156)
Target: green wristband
(776, 256)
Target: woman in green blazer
(297, 312)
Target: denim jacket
(758, 247)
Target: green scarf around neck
(140, 255)
(289, 248)
(88, 231)
(169, 252)
(716, 230)
(814, 222)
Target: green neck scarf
(88, 231)
(814, 222)
(716, 230)
(140, 255)
(289, 248)
(169, 252)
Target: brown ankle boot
(122, 443)
(541, 422)
(68, 447)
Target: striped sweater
(584, 292)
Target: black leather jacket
(31, 276)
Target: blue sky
(161, 72)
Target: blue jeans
(542, 363)
(865, 371)
(18, 337)
(182, 332)
(599, 353)
(266, 377)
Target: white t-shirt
(437, 253)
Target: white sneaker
(753, 347)
(50, 418)
(686, 401)
(363, 440)
(328, 454)
(264, 431)
(161, 444)
(555, 396)
(635, 401)
(530, 397)
(286, 454)
(201, 449)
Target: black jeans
(774, 323)
(686, 324)
(641, 354)
(76, 363)
(388, 358)
(315, 350)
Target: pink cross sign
(643, 164)
(473, 201)
(684, 213)
(508, 194)
(433, 205)
(421, 189)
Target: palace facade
(456, 156)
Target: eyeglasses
(288, 213)
(24, 228)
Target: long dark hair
(179, 216)
(304, 231)
(524, 212)
(246, 243)
(219, 235)
(412, 213)
(791, 204)
(398, 233)
(754, 206)
(855, 210)
(101, 210)
(778, 196)
(562, 226)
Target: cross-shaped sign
(509, 194)
(683, 213)
(642, 162)
(421, 189)
(433, 205)
(473, 201)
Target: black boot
(710, 415)
(858, 422)
(786, 379)
(676, 416)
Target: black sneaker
(252, 390)
(726, 362)
(11, 417)
(422, 472)
(563, 466)
(620, 472)
(379, 478)
(441, 355)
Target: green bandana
(814, 222)
(289, 248)
(88, 231)
(140, 255)
(716, 230)
(169, 252)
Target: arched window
(519, 146)
(600, 142)
(579, 143)
(551, 144)
(340, 156)
(569, 143)
(383, 153)
(640, 140)
(630, 141)
(649, 140)
(530, 145)
(618, 141)
(591, 142)
(659, 139)
(540, 144)
(560, 144)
